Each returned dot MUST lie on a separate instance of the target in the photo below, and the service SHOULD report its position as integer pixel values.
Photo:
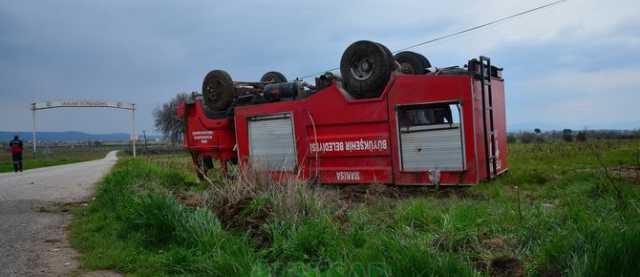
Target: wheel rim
(407, 68)
(412, 63)
(213, 89)
(362, 69)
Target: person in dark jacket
(16, 153)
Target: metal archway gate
(86, 104)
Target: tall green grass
(135, 225)
(567, 217)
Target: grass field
(564, 209)
(55, 156)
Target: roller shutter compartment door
(431, 137)
(432, 150)
(271, 143)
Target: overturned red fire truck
(384, 119)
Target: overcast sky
(575, 65)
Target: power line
(482, 26)
(461, 32)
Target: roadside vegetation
(564, 209)
(50, 156)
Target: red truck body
(391, 139)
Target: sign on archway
(86, 104)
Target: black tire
(273, 77)
(412, 63)
(392, 61)
(218, 90)
(366, 68)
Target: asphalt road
(33, 216)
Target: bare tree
(166, 119)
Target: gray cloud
(147, 51)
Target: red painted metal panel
(341, 140)
(500, 124)
(211, 137)
(423, 89)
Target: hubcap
(362, 69)
(407, 68)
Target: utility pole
(133, 128)
(144, 133)
(33, 134)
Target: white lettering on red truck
(202, 136)
(371, 145)
(348, 175)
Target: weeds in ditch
(552, 224)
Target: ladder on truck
(487, 118)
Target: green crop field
(564, 209)
(55, 156)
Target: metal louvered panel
(271, 143)
(439, 149)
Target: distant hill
(67, 136)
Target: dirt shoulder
(34, 214)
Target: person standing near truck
(16, 153)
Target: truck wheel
(366, 68)
(273, 77)
(412, 63)
(218, 90)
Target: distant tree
(167, 121)
(581, 136)
(538, 134)
(511, 138)
(567, 135)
